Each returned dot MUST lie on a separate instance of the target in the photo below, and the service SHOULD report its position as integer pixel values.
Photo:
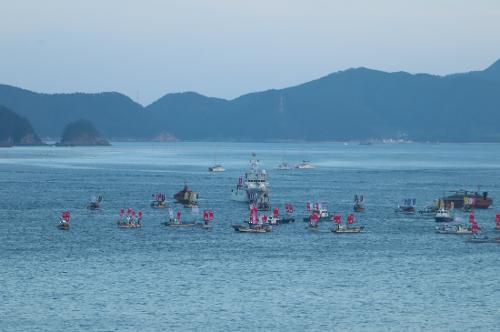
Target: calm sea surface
(399, 275)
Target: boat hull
(347, 230)
(443, 219)
(63, 226)
(247, 229)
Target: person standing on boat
(170, 214)
(139, 219)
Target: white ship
(254, 187)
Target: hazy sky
(226, 48)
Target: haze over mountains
(355, 104)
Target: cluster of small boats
(254, 190)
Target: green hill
(16, 130)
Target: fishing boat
(313, 222)
(455, 229)
(407, 206)
(288, 217)
(475, 238)
(216, 169)
(159, 201)
(443, 215)
(284, 166)
(130, 220)
(254, 224)
(64, 220)
(305, 164)
(186, 197)
(476, 200)
(95, 202)
(341, 229)
(208, 216)
(319, 210)
(177, 221)
(359, 203)
(429, 210)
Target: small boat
(339, 228)
(95, 202)
(429, 210)
(216, 169)
(186, 197)
(319, 210)
(456, 229)
(346, 229)
(208, 216)
(64, 221)
(252, 229)
(255, 224)
(475, 238)
(443, 215)
(305, 164)
(177, 222)
(313, 223)
(359, 203)
(284, 166)
(407, 206)
(132, 220)
(159, 201)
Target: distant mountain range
(355, 104)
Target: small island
(82, 133)
(16, 130)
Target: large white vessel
(254, 187)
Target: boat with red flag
(208, 216)
(339, 228)
(132, 219)
(477, 237)
(255, 224)
(177, 221)
(286, 219)
(64, 220)
(317, 209)
(313, 222)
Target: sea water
(398, 275)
